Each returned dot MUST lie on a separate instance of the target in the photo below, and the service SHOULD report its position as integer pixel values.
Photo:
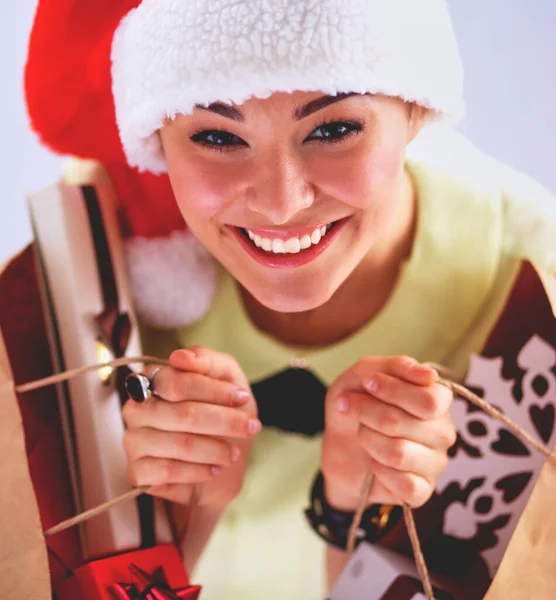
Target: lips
(286, 260)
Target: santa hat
(102, 76)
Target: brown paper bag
(528, 569)
(23, 558)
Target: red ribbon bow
(152, 587)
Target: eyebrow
(225, 110)
(319, 104)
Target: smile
(290, 249)
(292, 245)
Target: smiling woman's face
(292, 192)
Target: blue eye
(334, 132)
(218, 140)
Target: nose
(280, 191)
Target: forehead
(280, 100)
(293, 105)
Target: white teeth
(305, 242)
(278, 247)
(293, 246)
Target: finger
(397, 423)
(186, 447)
(175, 492)
(408, 369)
(424, 402)
(401, 367)
(341, 416)
(191, 417)
(205, 361)
(404, 455)
(353, 408)
(359, 377)
(175, 386)
(161, 471)
(407, 488)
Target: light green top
(445, 303)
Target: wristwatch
(333, 525)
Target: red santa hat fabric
(68, 87)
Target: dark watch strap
(333, 525)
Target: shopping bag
(515, 372)
(528, 568)
(23, 558)
(157, 571)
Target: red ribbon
(152, 587)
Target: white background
(509, 52)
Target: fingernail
(189, 353)
(254, 426)
(236, 453)
(343, 405)
(371, 385)
(420, 368)
(241, 397)
(215, 470)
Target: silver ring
(139, 387)
(151, 380)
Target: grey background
(508, 48)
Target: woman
(344, 266)
(387, 413)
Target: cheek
(201, 191)
(365, 179)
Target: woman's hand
(389, 415)
(197, 429)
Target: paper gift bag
(520, 351)
(511, 533)
(31, 425)
(23, 558)
(528, 569)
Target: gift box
(152, 574)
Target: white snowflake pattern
(537, 359)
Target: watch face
(406, 587)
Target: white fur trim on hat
(173, 279)
(169, 55)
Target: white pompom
(173, 279)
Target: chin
(296, 302)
